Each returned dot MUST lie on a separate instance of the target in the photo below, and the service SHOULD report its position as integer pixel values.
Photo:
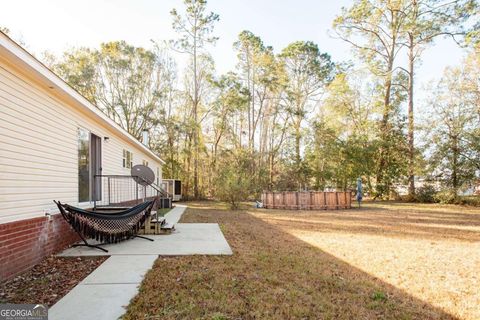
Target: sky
(55, 25)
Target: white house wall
(38, 148)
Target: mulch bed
(48, 281)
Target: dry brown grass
(385, 261)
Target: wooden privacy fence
(307, 200)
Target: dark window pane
(178, 187)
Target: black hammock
(106, 228)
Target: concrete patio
(188, 238)
(106, 292)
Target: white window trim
(124, 157)
(80, 127)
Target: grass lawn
(384, 261)
(163, 211)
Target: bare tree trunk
(188, 143)
(411, 133)
(195, 120)
(272, 163)
(455, 152)
(250, 82)
(297, 143)
(384, 129)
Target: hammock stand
(106, 228)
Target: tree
(470, 92)
(233, 183)
(291, 119)
(195, 28)
(168, 129)
(308, 72)
(250, 48)
(262, 74)
(126, 82)
(473, 36)
(231, 100)
(343, 146)
(373, 28)
(79, 68)
(453, 128)
(426, 20)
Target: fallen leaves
(48, 281)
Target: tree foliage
(194, 27)
(454, 126)
(291, 118)
(126, 82)
(232, 179)
(308, 72)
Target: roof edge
(50, 78)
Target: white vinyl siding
(38, 148)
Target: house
(52, 144)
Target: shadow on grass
(271, 275)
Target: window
(83, 165)
(145, 162)
(127, 159)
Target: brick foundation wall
(25, 243)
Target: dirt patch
(278, 272)
(48, 281)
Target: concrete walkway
(174, 215)
(106, 292)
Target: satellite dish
(143, 175)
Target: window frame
(88, 165)
(127, 155)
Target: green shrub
(408, 198)
(233, 180)
(445, 197)
(469, 201)
(426, 194)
